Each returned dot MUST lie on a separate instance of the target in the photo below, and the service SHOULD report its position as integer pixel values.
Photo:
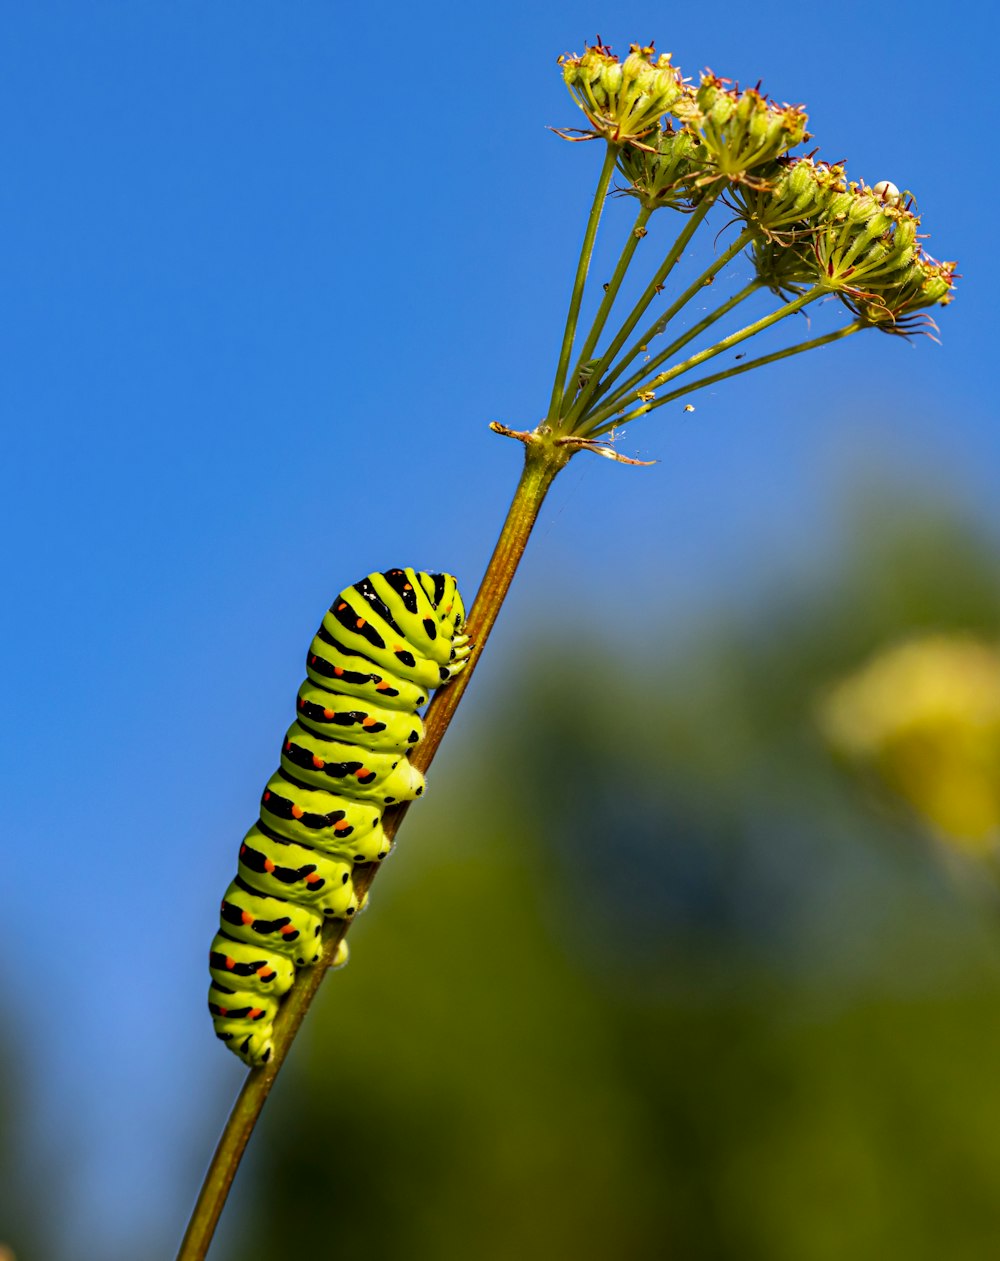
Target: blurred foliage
(25, 1228)
(924, 716)
(649, 976)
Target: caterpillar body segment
(283, 927)
(350, 830)
(340, 767)
(364, 723)
(386, 642)
(245, 967)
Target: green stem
(543, 460)
(650, 292)
(813, 344)
(583, 266)
(656, 328)
(734, 339)
(616, 401)
(636, 233)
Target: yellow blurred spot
(925, 715)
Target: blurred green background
(649, 976)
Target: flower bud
(787, 197)
(623, 102)
(743, 131)
(900, 305)
(664, 170)
(865, 243)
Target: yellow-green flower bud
(787, 268)
(900, 307)
(623, 102)
(743, 131)
(864, 243)
(787, 196)
(664, 169)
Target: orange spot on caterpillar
(342, 826)
(341, 605)
(318, 762)
(360, 622)
(230, 963)
(264, 972)
(243, 849)
(285, 929)
(223, 1011)
(267, 795)
(268, 865)
(381, 686)
(297, 812)
(312, 877)
(329, 713)
(362, 771)
(255, 1013)
(368, 722)
(288, 745)
(312, 661)
(338, 671)
(247, 918)
(407, 587)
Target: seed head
(789, 198)
(664, 170)
(623, 102)
(900, 308)
(742, 130)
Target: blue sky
(269, 272)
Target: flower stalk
(580, 280)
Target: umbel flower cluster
(808, 230)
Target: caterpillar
(384, 644)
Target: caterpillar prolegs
(385, 643)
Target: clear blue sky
(268, 271)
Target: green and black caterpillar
(385, 643)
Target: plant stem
(543, 460)
(655, 329)
(617, 400)
(650, 292)
(727, 343)
(813, 344)
(582, 267)
(636, 233)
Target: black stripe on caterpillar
(384, 645)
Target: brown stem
(543, 459)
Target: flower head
(664, 170)
(901, 308)
(622, 101)
(867, 250)
(788, 197)
(742, 130)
